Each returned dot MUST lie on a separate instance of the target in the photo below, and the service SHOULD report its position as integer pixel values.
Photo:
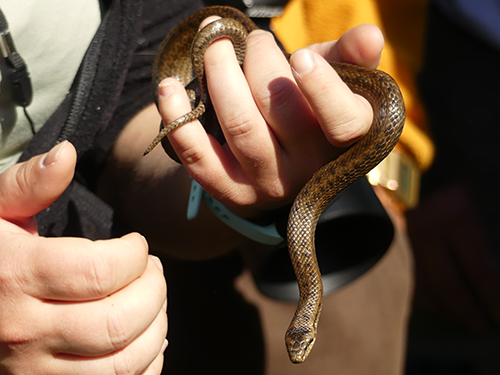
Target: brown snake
(176, 59)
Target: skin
(70, 305)
(270, 115)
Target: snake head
(299, 342)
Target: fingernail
(53, 155)
(208, 21)
(165, 344)
(144, 238)
(302, 61)
(157, 262)
(165, 89)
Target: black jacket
(112, 85)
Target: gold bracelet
(400, 176)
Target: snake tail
(173, 59)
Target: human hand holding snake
(260, 166)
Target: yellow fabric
(306, 22)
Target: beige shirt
(52, 37)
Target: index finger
(77, 269)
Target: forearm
(151, 194)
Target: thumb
(29, 187)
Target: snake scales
(176, 59)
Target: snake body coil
(176, 59)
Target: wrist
(266, 234)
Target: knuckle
(259, 37)
(284, 95)
(116, 329)
(19, 329)
(348, 127)
(191, 155)
(123, 364)
(346, 133)
(98, 277)
(239, 124)
(271, 191)
(275, 191)
(14, 333)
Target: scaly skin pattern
(176, 58)
(181, 55)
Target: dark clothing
(112, 85)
